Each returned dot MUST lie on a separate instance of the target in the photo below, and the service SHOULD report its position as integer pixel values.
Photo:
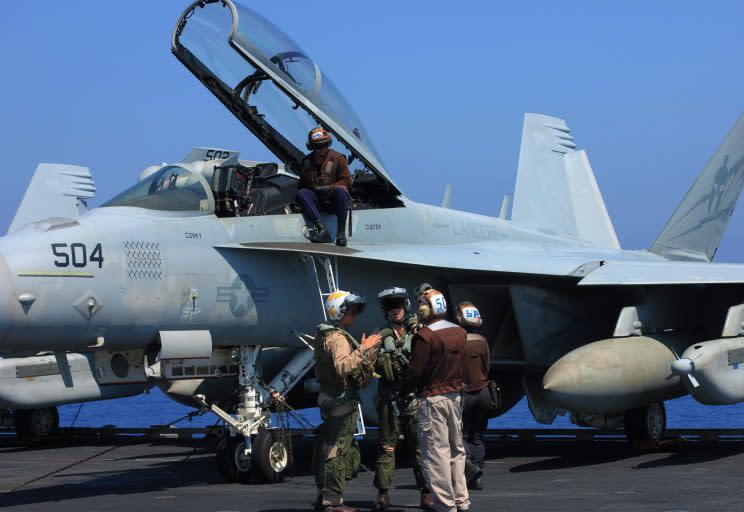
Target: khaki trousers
(440, 438)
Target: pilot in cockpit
(324, 185)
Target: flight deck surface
(555, 475)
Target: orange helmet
(318, 138)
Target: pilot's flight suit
(396, 413)
(343, 367)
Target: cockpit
(171, 188)
(279, 93)
(228, 187)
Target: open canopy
(269, 83)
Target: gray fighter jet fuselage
(200, 278)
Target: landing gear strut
(646, 423)
(252, 448)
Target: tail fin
(56, 190)
(556, 191)
(698, 224)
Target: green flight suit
(336, 456)
(396, 414)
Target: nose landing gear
(270, 458)
(232, 461)
(252, 448)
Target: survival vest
(331, 383)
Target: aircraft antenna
(447, 196)
(504, 207)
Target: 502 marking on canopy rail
(76, 254)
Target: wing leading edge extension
(472, 258)
(478, 259)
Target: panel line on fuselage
(43, 273)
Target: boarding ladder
(325, 271)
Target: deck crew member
(396, 412)
(476, 399)
(343, 366)
(436, 372)
(324, 184)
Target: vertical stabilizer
(695, 229)
(556, 191)
(56, 190)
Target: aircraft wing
(626, 273)
(476, 257)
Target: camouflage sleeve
(345, 360)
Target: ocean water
(156, 408)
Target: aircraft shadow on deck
(694, 456)
(575, 457)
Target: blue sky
(648, 88)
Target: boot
(472, 473)
(321, 234)
(427, 500)
(341, 233)
(382, 502)
(334, 508)
(477, 484)
(340, 508)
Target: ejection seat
(261, 189)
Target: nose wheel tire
(273, 455)
(36, 423)
(646, 423)
(233, 464)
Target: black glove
(322, 189)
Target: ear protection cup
(424, 312)
(432, 304)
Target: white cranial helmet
(339, 302)
(467, 315)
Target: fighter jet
(200, 278)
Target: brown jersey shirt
(477, 361)
(332, 171)
(437, 360)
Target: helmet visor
(393, 303)
(356, 309)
